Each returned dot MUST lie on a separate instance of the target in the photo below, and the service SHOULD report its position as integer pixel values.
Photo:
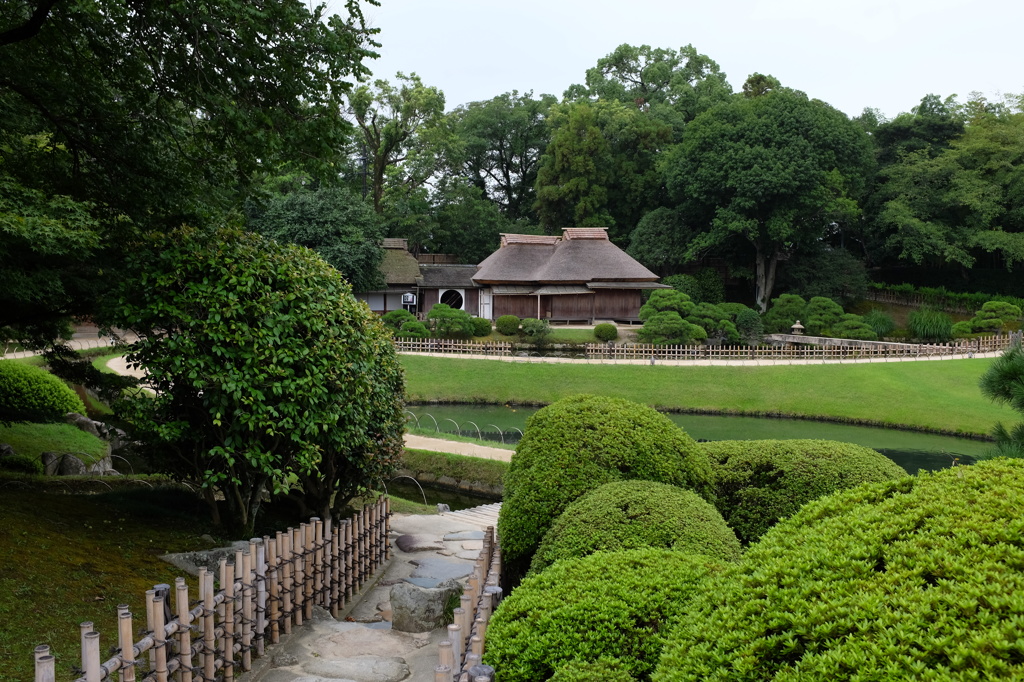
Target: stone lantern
(798, 328)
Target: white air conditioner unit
(408, 299)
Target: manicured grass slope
(34, 439)
(940, 395)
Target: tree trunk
(767, 260)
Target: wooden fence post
(184, 633)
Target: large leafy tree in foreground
(120, 117)
(775, 170)
(265, 370)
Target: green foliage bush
(785, 311)
(668, 328)
(22, 464)
(580, 611)
(821, 313)
(961, 330)
(942, 297)
(394, 319)
(750, 327)
(852, 326)
(606, 669)
(507, 325)
(606, 331)
(915, 579)
(686, 284)
(715, 322)
(995, 316)
(445, 321)
(758, 482)
(633, 514)
(413, 330)
(666, 300)
(31, 394)
(712, 289)
(580, 443)
(880, 322)
(534, 330)
(481, 327)
(930, 325)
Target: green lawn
(939, 395)
(34, 439)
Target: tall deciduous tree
(403, 133)
(599, 168)
(774, 170)
(674, 86)
(501, 141)
(263, 367)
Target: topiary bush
(916, 579)
(31, 394)
(995, 316)
(961, 330)
(750, 327)
(445, 321)
(668, 328)
(22, 464)
(608, 605)
(785, 310)
(821, 313)
(606, 331)
(396, 318)
(481, 327)
(413, 330)
(633, 514)
(758, 482)
(507, 325)
(580, 443)
(852, 326)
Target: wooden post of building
(184, 633)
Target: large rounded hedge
(605, 669)
(577, 444)
(916, 579)
(635, 514)
(607, 605)
(31, 394)
(757, 482)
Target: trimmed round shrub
(607, 605)
(507, 325)
(916, 579)
(31, 394)
(750, 327)
(962, 329)
(481, 327)
(413, 330)
(785, 311)
(758, 482)
(445, 321)
(852, 326)
(634, 514)
(395, 319)
(606, 331)
(580, 443)
(22, 464)
(821, 313)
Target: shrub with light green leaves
(785, 310)
(481, 326)
(668, 328)
(445, 321)
(413, 330)
(634, 514)
(608, 605)
(821, 313)
(606, 669)
(394, 319)
(758, 482)
(31, 394)
(916, 579)
(580, 443)
(995, 316)
(852, 326)
(606, 331)
(507, 325)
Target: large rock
(6, 450)
(70, 465)
(82, 422)
(421, 609)
(51, 463)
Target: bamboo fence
(270, 587)
(840, 350)
(464, 647)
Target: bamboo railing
(837, 349)
(464, 647)
(270, 587)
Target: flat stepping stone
(465, 535)
(359, 669)
(432, 567)
(418, 543)
(428, 583)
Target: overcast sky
(884, 54)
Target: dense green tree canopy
(773, 170)
(339, 226)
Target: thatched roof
(580, 256)
(399, 266)
(447, 276)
